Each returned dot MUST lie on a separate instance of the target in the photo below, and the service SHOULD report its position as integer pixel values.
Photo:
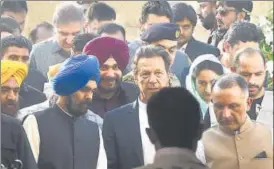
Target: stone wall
(128, 13)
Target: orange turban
(14, 69)
(53, 70)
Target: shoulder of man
(128, 77)
(174, 80)
(44, 46)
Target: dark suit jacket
(122, 137)
(196, 48)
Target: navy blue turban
(74, 74)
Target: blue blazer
(122, 137)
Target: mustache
(253, 85)
(226, 121)
(11, 102)
(109, 78)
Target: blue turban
(74, 74)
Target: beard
(103, 89)
(77, 109)
(258, 87)
(209, 22)
(10, 108)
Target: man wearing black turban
(60, 137)
(113, 56)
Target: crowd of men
(76, 94)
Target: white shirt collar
(142, 105)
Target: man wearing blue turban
(60, 136)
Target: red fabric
(106, 47)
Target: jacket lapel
(135, 131)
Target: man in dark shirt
(15, 147)
(251, 64)
(18, 48)
(113, 56)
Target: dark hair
(33, 33)
(79, 41)
(207, 65)
(230, 80)
(248, 52)
(8, 24)
(150, 51)
(174, 114)
(245, 32)
(101, 12)
(18, 41)
(112, 28)
(160, 8)
(183, 10)
(13, 6)
(241, 6)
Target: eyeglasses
(224, 11)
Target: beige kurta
(237, 150)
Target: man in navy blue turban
(60, 136)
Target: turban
(14, 69)
(74, 74)
(53, 70)
(106, 47)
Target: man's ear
(151, 135)
(241, 16)
(226, 46)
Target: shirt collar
(174, 155)
(142, 105)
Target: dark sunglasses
(224, 11)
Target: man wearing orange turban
(12, 75)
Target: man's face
(225, 16)
(20, 17)
(151, 76)
(169, 45)
(207, 14)
(10, 97)
(186, 31)
(232, 50)
(43, 34)
(230, 107)
(253, 69)
(152, 19)
(66, 32)
(117, 35)
(204, 82)
(110, 76)
(17, 54)
(94, 25)
(77, 103)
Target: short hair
(111, 28)
(231, 80)
(13, 6)
(101, 12)
(18, 41)
(68, 12)
(175, 116)
(8, 24)
(208, 65)
(183, 10)
(33, 33)
(245, 32)
(247, 52)
(150, 51)
(80, 40)
(160, 8)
